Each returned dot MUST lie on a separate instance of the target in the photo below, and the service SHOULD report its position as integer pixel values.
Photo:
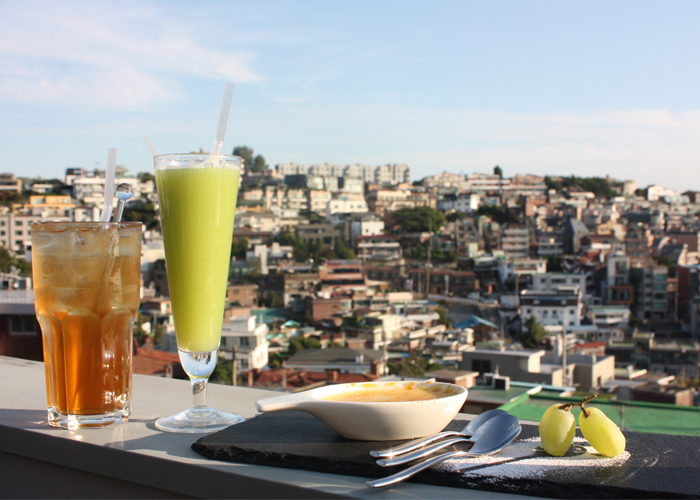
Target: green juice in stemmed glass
(197, 195)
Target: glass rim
(194, 160)
(86, 222)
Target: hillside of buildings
(344, 273)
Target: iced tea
(87, 291)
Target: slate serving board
(660, 466)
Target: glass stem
(199, 392)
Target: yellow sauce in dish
(386, 395)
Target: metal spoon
(489, 444)
(498, 426)
(124, 193)
(468, 431)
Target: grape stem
(587, 413)
(567, 406)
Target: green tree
(343, 251)
(497, 171)
(493, 211)
(246, 155)
(223, 372)
(352, 321)
(552, 183)
(533, 334)
(554, 264)
(7, 261)
(274, 299)
(444, 319)
(239, 248)
(418, 219)
(297, 344)
(259, 164)
(454, 216)
(145, 177)
(141, 212)
(414, 365)
(667, 261)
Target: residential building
(20, 335)
(339, 359)
(243, 295)
(651, 292)
(338, 274)
(264, 222)
(318, 233)
(447, 282)
(245, 339)
(564, 307)
(319, 200)
(346, 204)
(515, 241)
(8, 182)
(325, 308)
(379, 247)
(617, 290)
(365, 226)
(15, 229)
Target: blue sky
(589, 88)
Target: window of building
(481, 366)
(244, 342)
(23, 325)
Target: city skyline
(540, 87)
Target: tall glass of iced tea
(86, 287)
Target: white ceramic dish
(376, 421)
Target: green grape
(557, 431)
(602, 433)
(593, 410)
(547, 413)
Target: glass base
(198, 419)
(73, 422)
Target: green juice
(197, 208)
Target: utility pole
(234, 367)
(428, 265)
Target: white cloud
(107, 55)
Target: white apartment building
(509, 268)
(249, 341)
(608, 317)
(549, 244)
(318, 200)
(515, 241)
(656, 192)
(368, 227)
(15, 231)
(564, 307)
(465, 202)
(381, 174)
(296, 199)
(475, 183)
(444, 180)
(258, 221)
(346, 204)
(553, 282)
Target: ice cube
(67, 299)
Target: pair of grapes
(558, 426)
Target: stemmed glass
(197, 195)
